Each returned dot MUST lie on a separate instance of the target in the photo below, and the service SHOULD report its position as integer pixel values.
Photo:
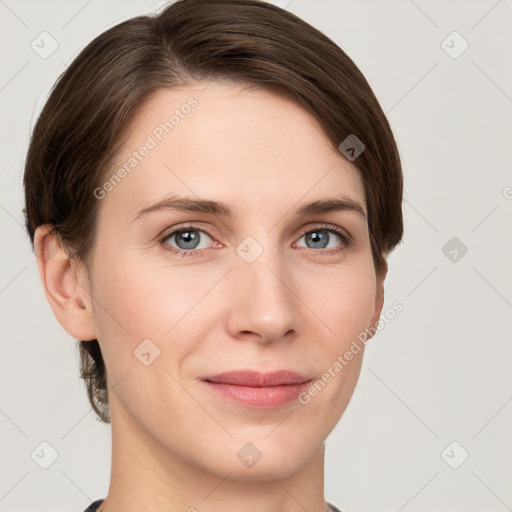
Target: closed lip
(257, 379)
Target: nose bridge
(266, 304)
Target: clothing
(94, 506)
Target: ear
(65, 283)
(379, 295)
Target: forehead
(228, 143)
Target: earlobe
(64, 284)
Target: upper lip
(257, 379)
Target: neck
(147, 476)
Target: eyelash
(345, 238)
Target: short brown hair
(251, 42)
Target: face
(179, 295)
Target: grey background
(438, 372)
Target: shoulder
(93, 506)
(331, 508)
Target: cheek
(343, 300)
(127, 310)
(137, 296)
(345, 303)
(144, 300)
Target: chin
(262, 470)
(265, 458)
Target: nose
(263, 304)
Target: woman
(211, 194)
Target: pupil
(318, 237)
(189, 238)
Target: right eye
(187, 241)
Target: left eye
(320, 238)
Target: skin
(174, 442)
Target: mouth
(258, 390)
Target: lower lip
(260, 398)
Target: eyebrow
(186, 204)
